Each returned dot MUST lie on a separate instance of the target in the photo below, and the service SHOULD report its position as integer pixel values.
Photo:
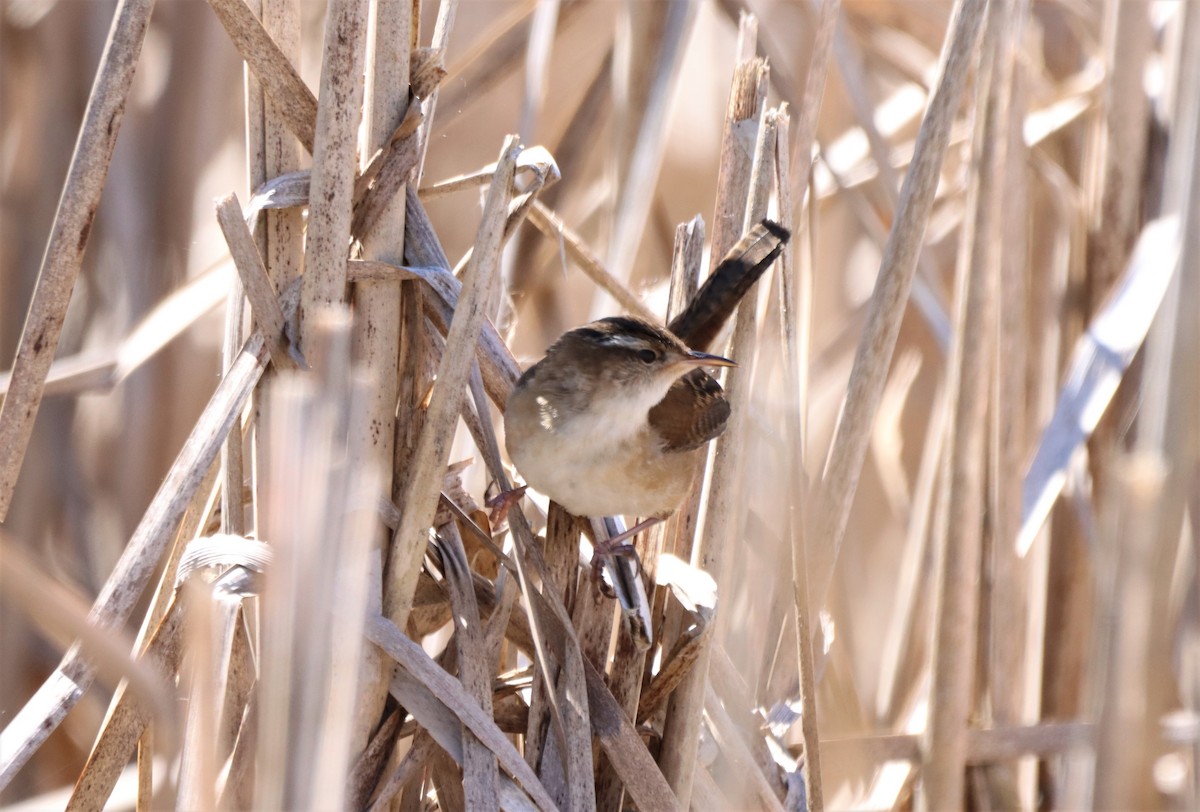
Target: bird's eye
(647, 356)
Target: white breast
(583, 460)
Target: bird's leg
(618, 545)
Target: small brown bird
(613, 421)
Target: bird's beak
(704, 359)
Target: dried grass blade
(1098, 363)
(68, 239)
(425, 674)
(368, 767)
(292, 100)
(644, 782)
(901, 252)
(43, 713)
(378, 184)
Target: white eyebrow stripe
(632, 342)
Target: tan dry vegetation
(952, 528)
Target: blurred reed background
(953, 531)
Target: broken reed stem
(901, 252)
(264, 302)
(68, 240)
(331, 190)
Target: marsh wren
(614, 420)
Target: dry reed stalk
(1007, 606)
(447, 9)
(954, 651)
(68, 240)
(290, 100)
(430, 456)
(795, 324)
(263, 301)
(321, 514)
(848, 449)
(420, 676)
(159, 639)
(480, 775)
(233, 507)
(377, 304)
(233, 511)
(1127, 737)
(281, 155)
(339, 109)
(550, 224)
(128, 716)
(561, 555)
(744, 186)
(198, 756)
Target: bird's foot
(618, 545)
(502, 502)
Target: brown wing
(693, 412)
